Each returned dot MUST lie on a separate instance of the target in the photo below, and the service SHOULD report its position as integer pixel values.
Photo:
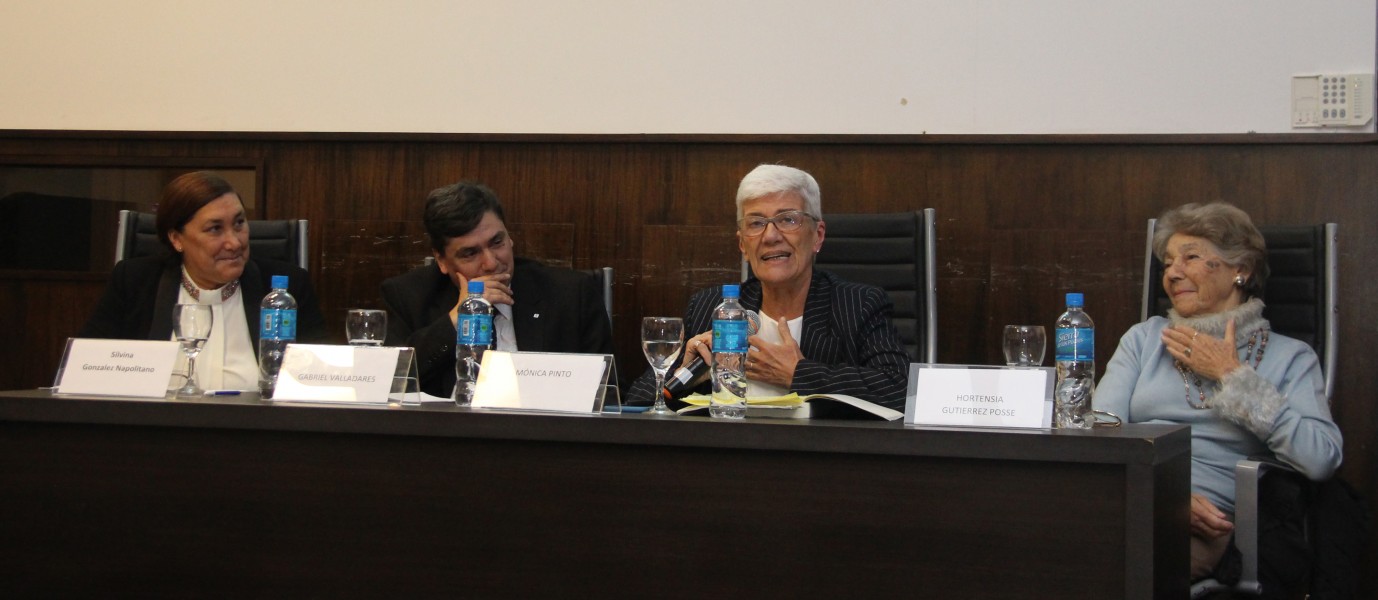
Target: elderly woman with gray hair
(818, 333)
(1214, 364)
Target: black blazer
(137, 304)
(553, 310)
(849, 344)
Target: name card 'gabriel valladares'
(327, 373)
(539, 381)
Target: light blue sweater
(1278, 408)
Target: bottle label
(1076, 343)
(729, 336)
(475, 330)
(683, 375)
(277, 324)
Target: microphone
(678, 385)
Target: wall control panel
(1344, 100)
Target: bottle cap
(279, 282)
(475, 287)
(1075, 299)
(731, 291)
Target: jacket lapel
(528, 302)
(169, 289)
(251, 292)
(817, 315)
(444, 295)
(817, 310)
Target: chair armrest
(1248, 475)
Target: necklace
(226, 290)
(1258, 344)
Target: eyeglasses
(790, 220)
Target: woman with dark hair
(1214, 364)
(201, 222)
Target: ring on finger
(1188, 351)
(1194, 334)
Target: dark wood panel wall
(1020, 221)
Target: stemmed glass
(661, 338)
(191, 324)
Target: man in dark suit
(537, 308)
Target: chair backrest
(1299, 296)
(604, 275)
(897, 253)
(283, 240)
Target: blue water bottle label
(729, 336)
(1076, 343)
(268, 324)
(287, 324)
(475, 330)
(277, 324)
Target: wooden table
(238, 497)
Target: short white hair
(768, 180)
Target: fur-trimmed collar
(1248, 318)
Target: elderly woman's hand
(1207, 521)
(699, 346)
(1205, 355)
(773, 363)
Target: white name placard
(329, 373)
(141, 368)
(540, 381)
(980, 396)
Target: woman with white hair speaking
(818, 334)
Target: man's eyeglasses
(790, 220)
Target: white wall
(649, 66)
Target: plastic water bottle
(729, 357)
(1076, 367)
(473, 335)
(277, 316)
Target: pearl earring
(1239, 281)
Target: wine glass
(191, 324)
(366, 327)
(1025, 345)
(661, 338)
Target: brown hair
(1228, 228)
(185, 195)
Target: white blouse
(770, 332)
(227, 361)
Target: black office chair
(1299, 302)
(604, 275)
(283, 240)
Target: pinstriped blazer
(848, 342)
